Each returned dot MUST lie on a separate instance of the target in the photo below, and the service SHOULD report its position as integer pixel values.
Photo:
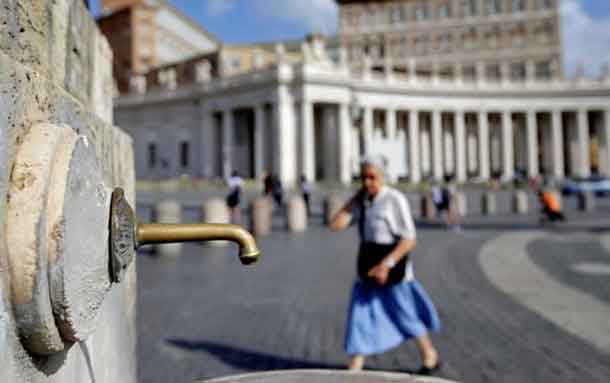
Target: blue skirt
(381, 318)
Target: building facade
(314, 113)
(146, 34)
(519, 39)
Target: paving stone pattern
(204, 315)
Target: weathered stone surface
(326, 376)
(26, 224)
(33, 64)
(77, 230)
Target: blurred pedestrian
(277, 191)
(306, 192)
(551, 208)
(388, 306)
(268, 184)
(235, 184)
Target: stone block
(168, 211)
(80, 52)
(332, 204)
(520, 202)
(102, 82)
(296, 215)
(261, 216)
(586, 201)
(461, 204)
(488, 203)
(428, 209)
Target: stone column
(308, 139)
(286, 137)
(604, 138)
(259, 140)
(437, 146)
(345, 147)
(208, 147)
(460, 146)
(227, 142)
(367, 129)
(415, 168)
(483, 145)
(557, 142)
(583, 167)
(532, 144)
(391, 123)
(508, 149)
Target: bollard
(428, 209)
(586, 201)
(488, 203)
(461, 204)
(168, 211)
(332, 204)
(296, 215)
(216, 211)
(519, 202)
(261, 216)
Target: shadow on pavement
(248, 359)
(258, 361)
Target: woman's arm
(343, 217)
(382, 270)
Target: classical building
(517, 39)
(145, 34)
(306, 109)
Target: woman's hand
(380, 274)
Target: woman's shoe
(425, 371)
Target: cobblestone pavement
(204, 315)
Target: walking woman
(388, 306)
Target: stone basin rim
(319, 376)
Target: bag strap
(361, 219)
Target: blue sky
(585, 24)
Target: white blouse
(387, 219)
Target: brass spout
(147, 234)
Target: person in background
(268, 184)
(306, 192)
(551, 207)
(277, 191)
(388, 306)
(235, 184)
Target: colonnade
(463, 143)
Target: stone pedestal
(216, 211)
(586, 201)
(332, 204)
(168, 212)
(261, 217)
(461, 204)
(519, 202)
(296, 215)
(428, 209)
(488, 203)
